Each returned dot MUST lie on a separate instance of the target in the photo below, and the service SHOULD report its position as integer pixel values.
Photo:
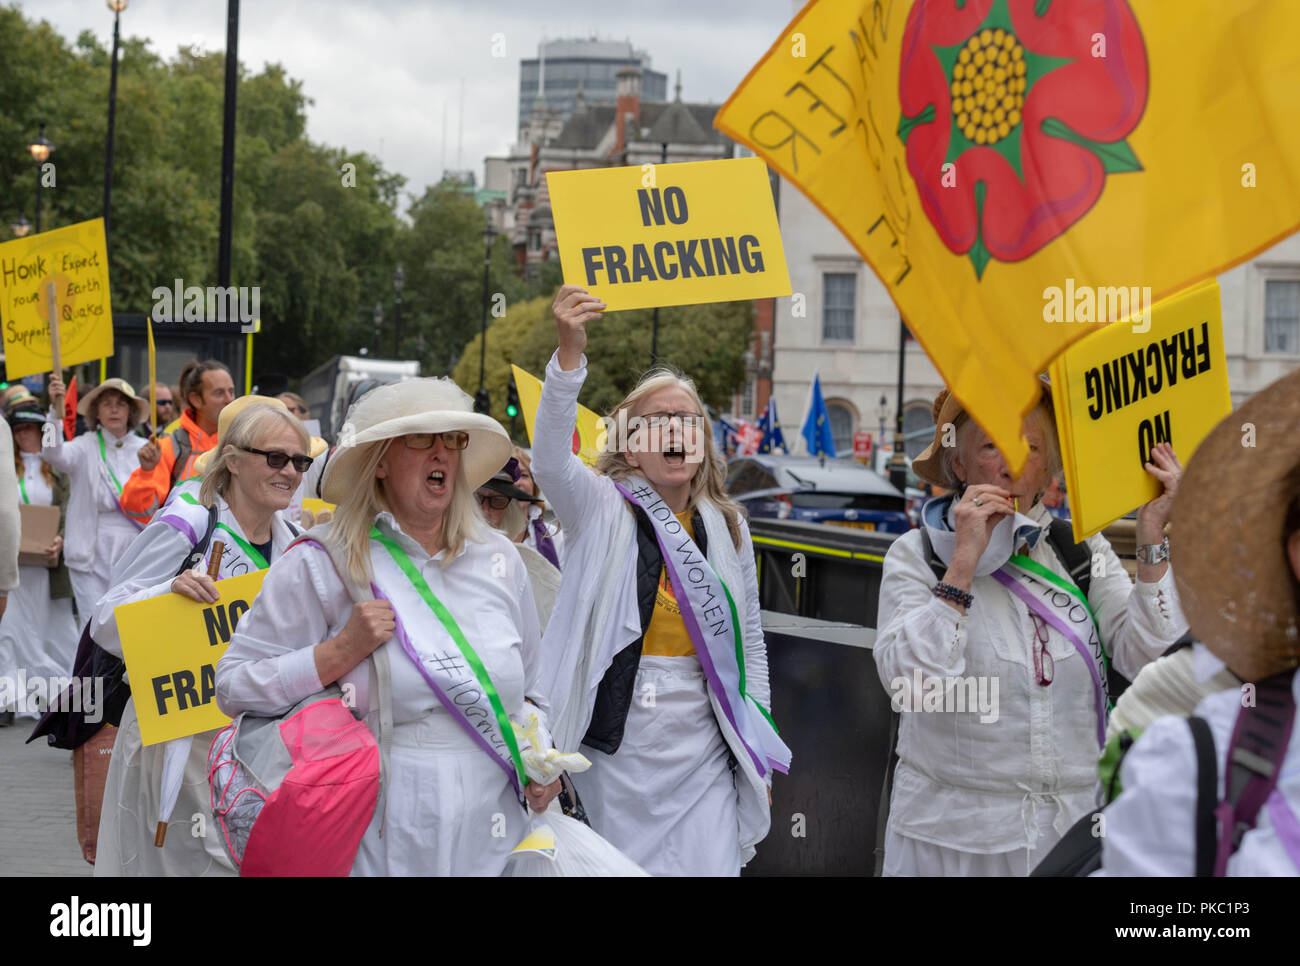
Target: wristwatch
(1153, 553)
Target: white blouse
(969, 783)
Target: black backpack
(1255, 755)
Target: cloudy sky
(382, 73)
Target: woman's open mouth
(438, 481)
(674, 455)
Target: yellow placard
(171, 645)
(589, 431)
(316, 506)
(1121, 391)
(983, 156)
(74, 259)
(669, 234)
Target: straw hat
(929, 465)
(1228, 536)
(415, 406)
(87, 405)
(15, 396)
(233, 409)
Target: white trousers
(667, 797)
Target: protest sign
(669, 234)
(171, 645)
(979, 154)
(588, 433)
(71, 264)
(1119, 392)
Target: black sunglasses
(497, 501)
(277, 459)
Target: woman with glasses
(295, 404)
(998, 658)
(451, 629)
(248, 479)
(655, 658)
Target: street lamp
(399, 279)
(117, 6)
(481, 399)
(20, 227)
(379, 320)
(40, 150)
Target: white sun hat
(415, 406)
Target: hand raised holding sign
(574, 307)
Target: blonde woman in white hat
(453, 620)
(988, 790)
(255, 467)
(98, 463)
(655, 657)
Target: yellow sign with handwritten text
(589, 431)
(171, 645)
(74, 261)
(669, 234)
(1126, 388)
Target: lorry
(328, 388)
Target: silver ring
(978, 501)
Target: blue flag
(817, 424)
(724, 434)
(773, 439)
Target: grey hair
(245, 430)
(963, 424)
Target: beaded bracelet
(957, 596)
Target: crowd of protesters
(470, 599)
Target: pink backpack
(294, 793)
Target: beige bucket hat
(86, 405)
(1228, 535)
(415, 406)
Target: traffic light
(483, 402)
(512, 400)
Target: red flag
(70, 410)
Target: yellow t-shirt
(666, 635)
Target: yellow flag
(987, 156)
(588, 434)
(1118, 393)
(153, 378)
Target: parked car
(840, 492)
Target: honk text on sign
(1120, 392)
(74, 261)
(669, 234)
(171, 645)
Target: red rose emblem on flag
(1014, 112)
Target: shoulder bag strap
(381, 677)
(1207, 795)
(927, 551)
(1076, 556)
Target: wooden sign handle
(214, 561)
(56, 354)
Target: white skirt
(667, 797)
(192, 846)
(906, 856)
(449, 809)
(37, 635)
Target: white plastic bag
(557, 845)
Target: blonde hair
(245, 430)
(708, 483)
(365, 499)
